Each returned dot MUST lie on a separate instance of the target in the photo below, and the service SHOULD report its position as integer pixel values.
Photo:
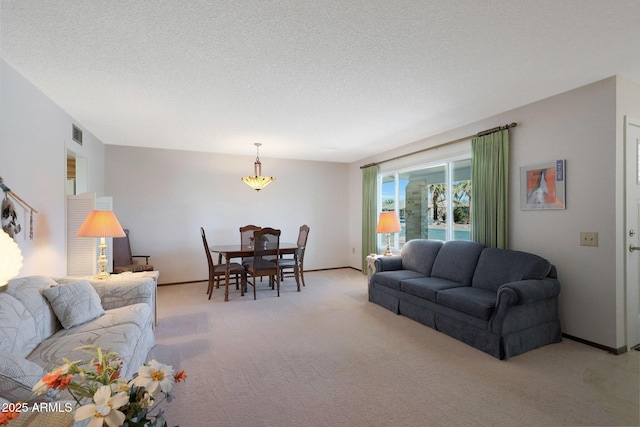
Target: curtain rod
(483, 133)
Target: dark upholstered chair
(218, 271)
(123, 261)
(290, 263)
(265, 260)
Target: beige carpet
(328, 357)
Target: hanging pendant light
(257, 181)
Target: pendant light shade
(257, 181)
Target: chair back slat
(246, 233)
(266, 250)
(122, 250)
(302, 236)
(302, 242)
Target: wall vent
(77, 134)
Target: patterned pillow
(17, 377)
(75, 303)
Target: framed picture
(542, 186)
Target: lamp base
(103, 275)
(388, 251)
(102, 260)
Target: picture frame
(542, 186)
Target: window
(432, 201)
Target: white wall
(34, 132)
(165, 196)
(580, 126)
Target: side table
(371, 265)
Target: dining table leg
(226, 281)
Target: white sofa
(42, 321)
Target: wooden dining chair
(291, 264)
(265, 260)
(246, 234)
(218, 271)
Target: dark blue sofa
(500, 301)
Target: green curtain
(490, 184)
(369, 211)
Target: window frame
(447, 161)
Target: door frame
(632, 287)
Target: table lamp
(10, 259)
(101, 224)
(388, 222)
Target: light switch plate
(588, 238)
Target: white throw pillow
(75, 303)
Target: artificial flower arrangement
(103, 397)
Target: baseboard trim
(616, 351)
(206, 280)
(183, 283)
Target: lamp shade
(10, 259)
(257, 181)
(388, 222)
(101, 224)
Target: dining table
(241, 251)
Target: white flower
(146, 400)
(155, 378)
(120, 384)
(105, 408)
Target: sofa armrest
(114, 294)
(521, 293)
(120, 290)
(528, 291)
(389, 263)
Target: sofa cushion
(499, 266)
(18, 332)
(457, 260)
(122, 335)
(75, 303)
(135, 314)
(419, 255)
(426, 287)
(392, 279)
(17, 377)
(474, 301)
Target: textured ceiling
(318, 80)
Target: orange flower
(179, 376)
(57, 379)
(6, 416)
(114, 376)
